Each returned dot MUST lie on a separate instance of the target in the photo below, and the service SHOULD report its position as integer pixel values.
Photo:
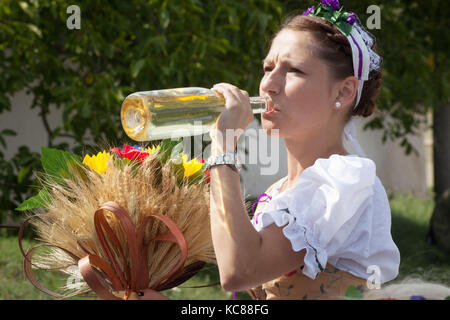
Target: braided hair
(334, 49)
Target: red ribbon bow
(128, 278)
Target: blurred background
(65, 70)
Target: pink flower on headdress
(334, 4)
(307, 12)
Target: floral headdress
(365, 60)
(361, 41)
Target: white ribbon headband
(364, 58)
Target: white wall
(398, 172)
(28, 125)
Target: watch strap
(230, 158)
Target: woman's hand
(234, 118)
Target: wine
(174, 113)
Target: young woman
(326, 225)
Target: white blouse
(339, 212)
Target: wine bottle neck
(258, 104)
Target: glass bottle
(174, 113)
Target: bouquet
(126, 223)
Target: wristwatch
(230, 158)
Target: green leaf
(58, 164)
(164, 19)
(8, 132)
(166, 150)
(344, 27)
(38, 201)
(22, 173)
(177, 150)
(122, 163)
(26, 8)
(35, 30)
(2, 142)
(86, 110)
(137, 67)
(353, 292)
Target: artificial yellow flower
(191, 167)
(99, 162)
(152, 149)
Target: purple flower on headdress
(351, 18)
(334, 4)
(307, 12)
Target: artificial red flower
(207, 176)
(208, 179)
(130, 153)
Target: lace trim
(370, 41)
(312, 248)
(321, 268)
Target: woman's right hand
(234, 118)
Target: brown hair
(335, 50)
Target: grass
(410, 221)
(14, 286)
(410, 224)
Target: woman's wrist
(220, 144)
(217, 150)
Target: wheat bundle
(142, 189)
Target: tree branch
(46, 126)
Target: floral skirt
(329, 284)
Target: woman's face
(298, 85)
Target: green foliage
(410, 224)
(58, 165)
(167, 147)
(122, 47)
(16, 178)
(353, 292)
(38, 201)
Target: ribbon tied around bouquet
(130, 279)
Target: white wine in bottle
(174, 113)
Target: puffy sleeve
(322, 209)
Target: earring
(338, 104)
